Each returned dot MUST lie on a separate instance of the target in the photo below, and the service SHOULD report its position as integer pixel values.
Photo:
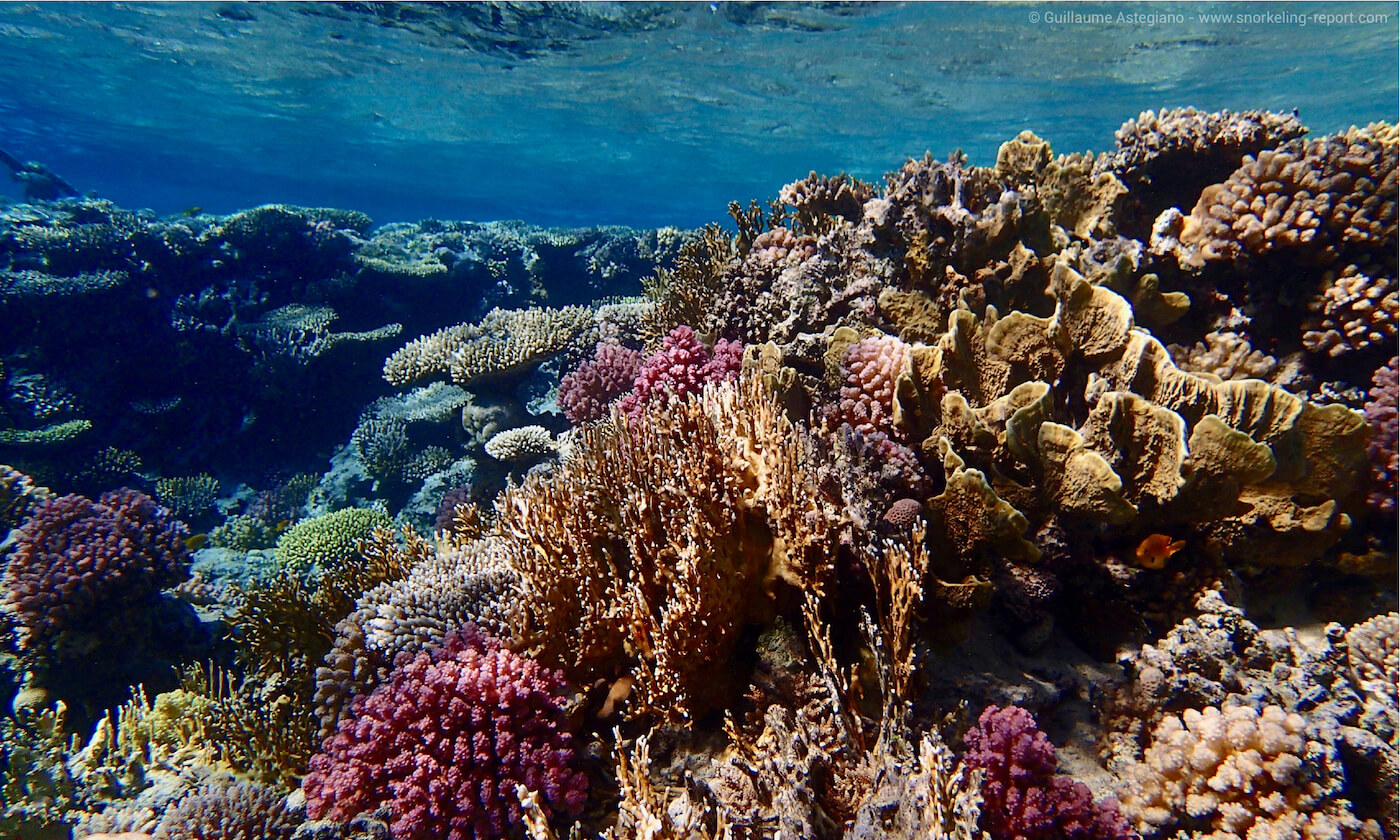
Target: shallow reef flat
(1050, 499)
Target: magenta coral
(445, 741)
(75, 558)
(682, 366)
(1382, 414)
(586, 393)
(1023, 798)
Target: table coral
(503, 344)
(523, 443)
(444, 743)
(74, 559)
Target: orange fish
(1153, 552)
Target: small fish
(189, 212)
(196, 542)
(1152, 553)
(281, 526)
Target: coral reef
(446, 741)
(1110, 438)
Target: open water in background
(634, 113)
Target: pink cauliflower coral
(1022, 797)
(75, 560)
(1382, 414)
(682, 367)
(871, 367)
(586, 393)
(445, 741)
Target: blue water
(639, 114)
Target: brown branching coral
(688, 292)
(1321, 212)
(658, 541)
(1167, 157)
(816, 199)
(266, 720)
(261, 725)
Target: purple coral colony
(1050, 499)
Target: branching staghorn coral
(656, 542)
(688, 292)
(265, 719)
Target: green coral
(328, 539)
(241, 532)
(50, 435)
(188, 495)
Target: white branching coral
(1235, 774)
